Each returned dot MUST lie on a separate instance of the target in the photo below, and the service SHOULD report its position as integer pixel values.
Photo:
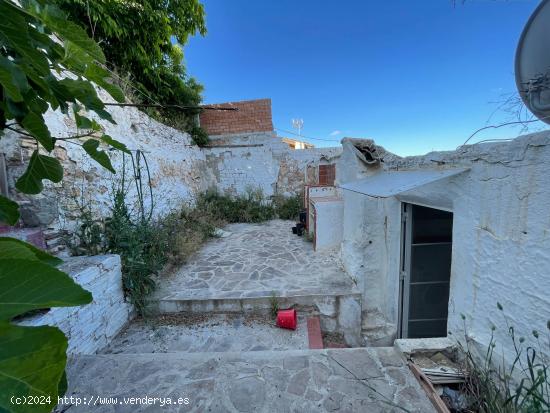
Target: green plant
(188, 229)
(88, 238)
(250, 207)
(499, 386)
(32, 359)
(288, 207)
(145, 245)
(46, 63)
(274, 305)
(145, 39)
(199, 136)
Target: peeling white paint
(501, 238)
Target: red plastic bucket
(287, 319)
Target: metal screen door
(425, 271)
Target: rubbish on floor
(439, 368)
(287, 319)
(441, 378)
(454, 399)
(427, 385)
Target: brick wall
(251, 116)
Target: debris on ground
(441, 377)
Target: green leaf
(84, 92)
(27, 285)
(13, 244)
(12, 79)
(32, 363)
(40, 167)
(57, 21)
(9, 211)
(115, 144)
(98, 75)
(82, 122)
(14, 32)
(35, 125)
(101, 157)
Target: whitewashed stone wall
(91, 327)
(178, 169)
(262, 160)
(501, 238)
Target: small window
(327, 174)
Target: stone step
(376, 331)
(338, 313)
(208, 332)
(355, 380)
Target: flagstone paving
(237, 362)
(342, 380)
(257, 260)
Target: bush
(187, 230)
(199, 136)
(145, 246)
(251, 207)
(288, 208)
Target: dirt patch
(189, 319)
(333, 340)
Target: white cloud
(335, 133)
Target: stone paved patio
(256, 261)
(211, 333)
(344, 380)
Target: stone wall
(501, 242)
(177, 169)
(91, 327)
(262, 160)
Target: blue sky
(413, 75)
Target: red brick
(251, 116)
(314, 333)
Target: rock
(298, 383)
(247, 394)
(39, 211)
(295, 363)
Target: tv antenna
(298, 124)
(532, 64)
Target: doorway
(425, 271)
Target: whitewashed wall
(262, 160)
(177, 167)
(91, 327)
(501, 238)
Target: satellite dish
(532, 65)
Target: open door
(425, 271)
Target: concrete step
(355, 380)
(338, 313)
